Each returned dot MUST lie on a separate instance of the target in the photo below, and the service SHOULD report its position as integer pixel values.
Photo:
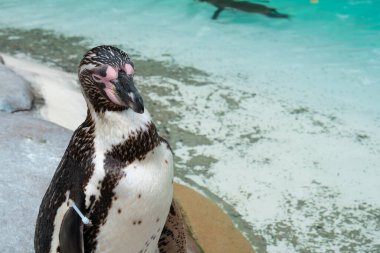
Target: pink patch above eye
(129, 69)
(111, 73)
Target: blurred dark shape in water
(244, 6)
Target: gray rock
(2, 60)
(30, 152)
(16, 93)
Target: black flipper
(176, 235)
(71, 233)
(217, 12)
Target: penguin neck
(114, 127)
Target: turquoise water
(336, 43)
(305, 151)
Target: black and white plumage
(116, 169)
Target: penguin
(113, 189)
(244, 6)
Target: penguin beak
(127, 92)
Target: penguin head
(106, 76)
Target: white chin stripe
(86, 66)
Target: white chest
(142, 197)
(140, 206)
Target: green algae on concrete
(45, 45)
(201, 164)
(150, 67)
(66, 52)
(328, 226)
(231, 103)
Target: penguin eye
(96, 78)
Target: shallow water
(340, 41)
(279, 118)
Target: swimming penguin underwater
(113, 189)
(244, 6)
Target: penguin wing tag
(71, 233)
